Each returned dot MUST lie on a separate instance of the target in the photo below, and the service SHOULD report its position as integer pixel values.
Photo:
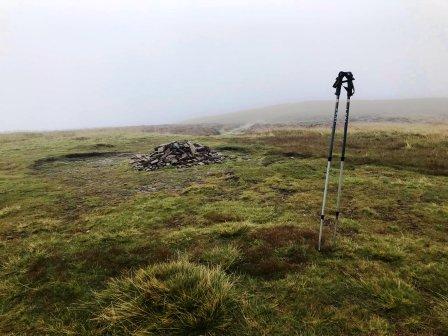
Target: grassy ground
(70, 224)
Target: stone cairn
(178, 154)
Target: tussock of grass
(232, 230)
(224, 256)
(441, 312)
(176, 298)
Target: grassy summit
(82, 233)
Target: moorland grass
(72, 228)
(174, 298)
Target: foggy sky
(88, 63)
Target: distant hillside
(421, 110)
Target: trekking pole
(337, 85)
(350, 92)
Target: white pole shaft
(327, 174)
(324, 201)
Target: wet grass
(75, 224)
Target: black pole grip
(344, 77)
(338, 83)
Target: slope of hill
(423, 109)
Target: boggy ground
(70, 222)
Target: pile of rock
(178, 154)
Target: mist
(76, 64)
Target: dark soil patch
(213, 217)
(103, 145)
(233, 148)
(296, 155)
(106, 260)
(53, 265)
(274, 252)
(278, 236)
(113, 260)
(153, 253)
(75, 157)
(274, 156)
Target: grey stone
(181, 154)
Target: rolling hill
(411, 110)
